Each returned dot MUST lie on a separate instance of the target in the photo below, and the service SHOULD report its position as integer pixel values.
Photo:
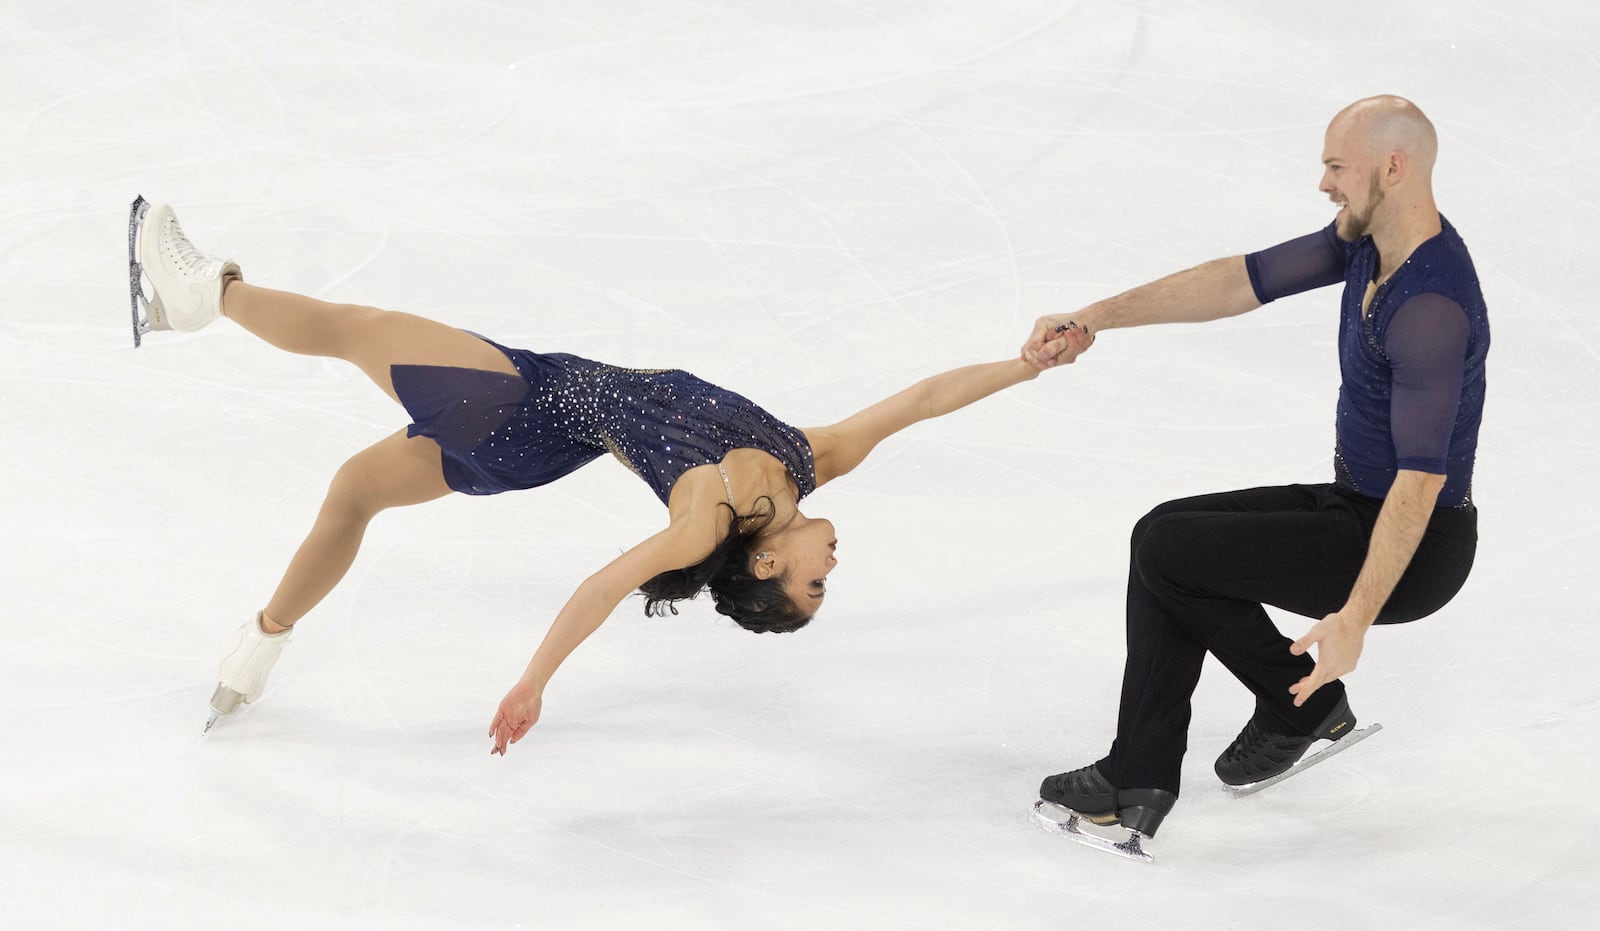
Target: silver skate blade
(223, 701)
(135, 270)
(1045, 815)
(1306, 762)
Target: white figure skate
(243, 675)
(186, 284)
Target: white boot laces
(191, 261)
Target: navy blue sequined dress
(505, 432)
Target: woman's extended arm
(684, 543)
(841, 447)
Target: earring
(761, 556)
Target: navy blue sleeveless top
(504, 432)
(1412, 368)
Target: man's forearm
(1401, 524)
(1219, 288)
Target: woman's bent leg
(394, 472)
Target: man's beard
(1357, 225)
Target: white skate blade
(136, 297)
(1306, 762)
(1046, 815)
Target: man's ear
(1396, 167)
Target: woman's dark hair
(760, 605)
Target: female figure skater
(487, 419)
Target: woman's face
(804, 552)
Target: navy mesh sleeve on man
(1426, 343)
(1312, 261)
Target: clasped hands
(1057, 339)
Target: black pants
(1200, 571)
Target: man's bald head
(1386, 124)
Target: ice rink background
(814, 204)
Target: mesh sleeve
(1312, 261)
(1426, 343)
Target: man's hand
(1338, 639)
(518, 712)
(1056, 340)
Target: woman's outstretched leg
(393, 472)
(191, 289)
(371, 339)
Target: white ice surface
(814, 203)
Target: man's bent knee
(1141, 528)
